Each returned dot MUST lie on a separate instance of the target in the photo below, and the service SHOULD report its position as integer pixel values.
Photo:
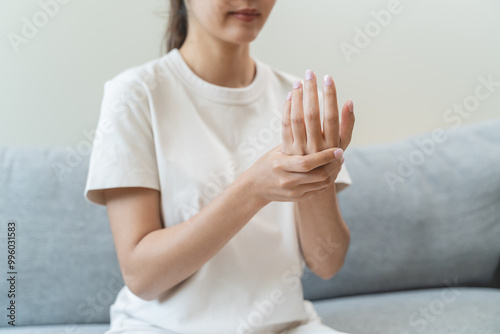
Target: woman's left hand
(301, 124)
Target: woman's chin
(242, 37)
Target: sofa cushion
(67, 269)
(432, 311)
(422, 212)
(58, 329)
(442, 223)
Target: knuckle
(297, 98)
(331, 117)
(303, 163)
(330, 92)
(314, 146)
(285, 122)
(311, 116)
(297, 120)
(295, 149)
(276, 165)
(309, 87)
(327, 156)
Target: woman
(219, 190)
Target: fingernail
(350, 105)
(309, 75)
(328, 80)
(297, 84)
(289, 96)
(342, 160)
(338, 153)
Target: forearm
(166, 257)
(324, 236)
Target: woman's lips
(245, 16)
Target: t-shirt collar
(220, 94)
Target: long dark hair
(176, 32)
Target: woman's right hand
(277, 176)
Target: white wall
(427, 59)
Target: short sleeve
(343, 178)
(123, 151)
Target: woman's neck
(217, 62)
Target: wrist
(249, 190)
(324, 196)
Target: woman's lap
(311, 326)
(315, 327)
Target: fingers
(322, 177)
(315, 186)
(311, 113)
(302, 120)
(318, 174)
(286, 126)
(330, 113)
(305, 163)
(347, 125)
(297, 118)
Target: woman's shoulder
(146, 75)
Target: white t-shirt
(163, 127)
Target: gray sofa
(424, 215)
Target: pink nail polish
(297, 84)
(350, 105)
(338, 153)
(328, 80)
(309, 75)
(289, 96)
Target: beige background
(427, 59)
